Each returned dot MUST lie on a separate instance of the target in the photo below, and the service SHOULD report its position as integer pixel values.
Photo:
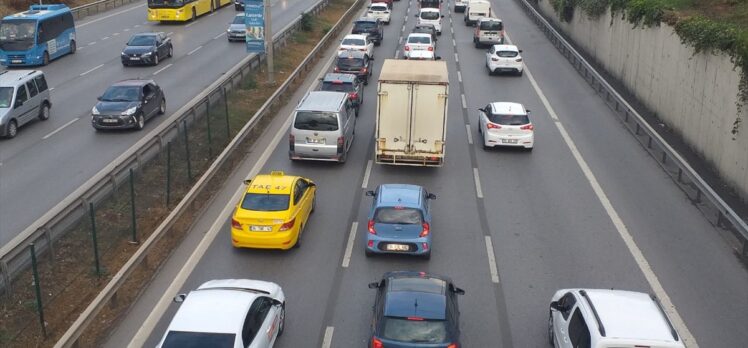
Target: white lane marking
(92, 43)
(59, 129)
(492, 261)
(454, 43)
(543, 99)
(51, 89)
(400, 40)
(170, 33)
(402, 29)
(327, 340)
(126, 29)
(219, 35)
(136, 26)
(476, 177)
(80, 48)
(349, 245)
(109, 16)
(162, 69)
(191, 24)
(464, 102)
(457, 59)
(115, 34)
(89, 71)
(212, 14)
(367, 173)
(195, 50)
(105, 38)
(452, 30)
(459, 76)
(469, 134)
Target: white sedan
(357, 42)
(504, 58)
(506, 124)
(234, 313)
(379, 10)
(419, 45)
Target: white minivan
(431, 16)
(476, 9)
(323, 127)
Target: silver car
(237, 29)
(24, 97)
(323, 127)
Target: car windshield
(350, 63)
(142, 40)
(17, 30)
(337, 86)
(491, 25)
(353, 42)
(121, 94)
(414, 331)
(186, 339)
(265, 202)
(316, 121)
(365, 25)
(6, 96)
(429, 15)
(507, 54)
(509, 120)
(398, 215)
(419, 40)
(238, 20)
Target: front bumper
(20, 59)
(136, 60)
(379, 245)
(526, 140)
(235, 35)
(264, 240)
(113, 122)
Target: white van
(431, 16)
(24, 97)
(476, 9)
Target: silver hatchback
(24, 97)
(323, 127)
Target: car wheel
(194, 15)
(314, 205)
(125, 64)
(427, 256)
(366, 81)
(520, 73)
(45, 60)
(140, 122)
(162, 107)
(483, 140)
(298, 239)
(529, 149)
(551, 339)
(155, 58)
(171, 51)
(477, 45)
(377, 43)
(368, 253)
(73, 48)
(44, 112)
(282, 325)
(12, 129)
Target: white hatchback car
(431, 16)
(609, 318)
(504, 58)
(357, 42)
(421, 43)
(379, 10)
(235, 313)
(506, 124)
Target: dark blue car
(399, 220)
(415, 309)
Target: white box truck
(412, 113)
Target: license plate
(109, 120)
(134, 58)
(315, 140)
(509, 141)
(16, 61)
(397, 247)
(260, 228)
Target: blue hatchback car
(399, 220)
(415, 310)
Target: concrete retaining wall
(695, 95)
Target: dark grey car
(128, 104)
(147, 48)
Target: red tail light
(371, 227)
(415, 318)
(375, 343)
(453, 345)
(364, 70)
(431, 49)
(407, 48)
(518, 60)
(426, 230)
(336, 69)
(527, 127)
(291, 142)
(341, 144)
(235, 224)
(353, 95)
(492, 126)
(288, 225)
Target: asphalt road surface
(587, 208)
(49, 160)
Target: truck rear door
(393, 123)
(429, 114)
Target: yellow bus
(181, 10)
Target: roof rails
(600, 326)
(669, 324)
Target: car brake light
(527, 127)
(494, 59)
(288, 225)
(426, 229)
(518, 60)
(490, 125)
(407, 48)
(453, 345)
(341, 143)
(371, 227)
(336, 69)
(353, 95)
(415, 318)
(336, 82)
(375, 343)
(431, 49)
(291, 142)
(236, 224)
(364, 70)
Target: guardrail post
(226, 107)
(92, 213)
(37, 289)
(207, 123)
(133, 222)
(187, 151)
(168, 173)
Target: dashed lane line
(478, 189)
(90, 71)
(459, 76)
(195, 50)
(464, 102)
(367, 173)
(349, 245)
(162, 69)
(492, 261)
(469, 134)
(219, 36)
(61, 128)
(327, 340)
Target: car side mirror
(370, 193)
(311, 184)
(458, 291)
(374, 285)
(556, 306)
(431, 196)
(415, 15)
(520, 51)
(527, 111)
(481, 110)
(247, 182)
(98, 98)
(442, 16)
(180, 298)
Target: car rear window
(354, 42)
(364, 25)
(509, 120)
(265, 202)
(419, 284)
(507, 54)
(415, 331)
(398, 215)
(491, 25)
(6, 95)
(338, 87)
(316, 121)
(350, 63)
(419, 40)
(429, 15)
(185, 339)
(380, 8)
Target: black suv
(371, 26)
(347, 83)
(415, 309)
(128, 104)
(354, 62)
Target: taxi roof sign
(277, 173)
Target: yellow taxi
(273, 212)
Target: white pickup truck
(412, 113)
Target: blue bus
(37, 36)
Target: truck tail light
(236, 224)
(291, 142)
(527, 127)
(370, 226)
(341, 144)
(287, 225)
(426, 229)
(490, 125)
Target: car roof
(276, 182)
(213, 310)
(366, 19)
(508, 108)
(429, 9)
(333, 77)
(12, 77)
(133, 82)
(351, 54)
(325, 101)
(355, 36)
(378, 3)
(506, 48)
(420, 35)
(399, 195)
(632, 315)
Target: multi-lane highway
(587, 208)
(48, 160)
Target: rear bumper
(418, 246)
(409, 160)
(264, 240)
(526, 141)
(506, 67)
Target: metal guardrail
(96, 7)
(695, 187)
(109, 292)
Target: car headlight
(95, 111)
(147, 54)
(130, 111)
